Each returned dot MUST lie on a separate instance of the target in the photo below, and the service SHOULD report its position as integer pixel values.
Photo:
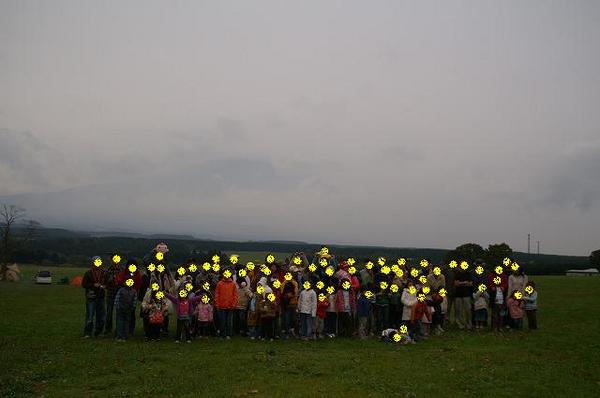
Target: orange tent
(76, 281)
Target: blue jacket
(363, 306)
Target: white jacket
(409, 301)
(307, 302)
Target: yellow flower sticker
(216, 267)
(369, 265)
(206, 286)
(250, 266)
(155, 286)
(322, 297)
(312, 268)
(297, 260)
(351, 261)
(506, 261)
(324, 251)
(414, 272)
(320, 285)
(234, 258)
(183, 293)
(306, 285)
(443, 292)
(497, 280)
(116, 259)
(271, 297)
(453, 264)
(227, 274)
(464, 265)
(346, 285)
(369, 294)
(518, 295)
(382, 285)
(479, 270)
(129, 282)
(276, 284)
(424, 263)
(287, 276)
(401, 261)
(265, 270)
(412, 289)
(498, 270)
(426, 289)
(206, 266)
(270, 259)
(160, 268)
(385, 270)
(160, 256)
(193, 268)
(216, 259)
(329, 271)
(437, 271)
(205, 299)
(98, 262)
(181, 271)
(482, 288)
(403, 329)
(242, 273)
(260, 289)
(514, 266)
(352, 270)
(323, 262)
(189, 287)
(395, 268)
(160, 295)
(394, 288)
(381, 261)
(423, 279)
(421, 297)
(397, 338)
(151, 267)
(529, 289)
(330, 289)
(399, 273)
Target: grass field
(42, 354)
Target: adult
(132, 271)
(111, 290)
(463, 286)
(517, 280)
(94, 283)
(226, 300)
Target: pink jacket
(339, 300)
(515, 308)
(204, 312)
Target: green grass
(42, 354)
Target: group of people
(298, 298)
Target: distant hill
(56, 246)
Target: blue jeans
(94, 308)
(225, 322)
(110, 305)
(123, 319)
(306, 325)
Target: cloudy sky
(423, 123)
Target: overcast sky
(424, 123)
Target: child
(363, 311)
(289, 305)
(481, 302)
(331, 317)
(226, 300)
(409, 301)
(322, 306)
(345, 301)
(125, 301)
(420, 311)
(515, 309)
(307, 308)
(204, 314)
(440, 305)
(244, 294)
(155, 308)
(183, 307)
(531, 305)
(498, 301)
(387, 335)
(268, 311)
(253, 317)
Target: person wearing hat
(94, 283)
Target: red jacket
(322, 308)
(226, 295)
(339, 300)
(124, 275)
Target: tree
(496, 253)
(595, 258)
(467, 252)
(12, 237)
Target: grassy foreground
(42, 354)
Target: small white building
(583, 272)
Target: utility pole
(528, 243)
(538, 247)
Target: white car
(43, 278)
